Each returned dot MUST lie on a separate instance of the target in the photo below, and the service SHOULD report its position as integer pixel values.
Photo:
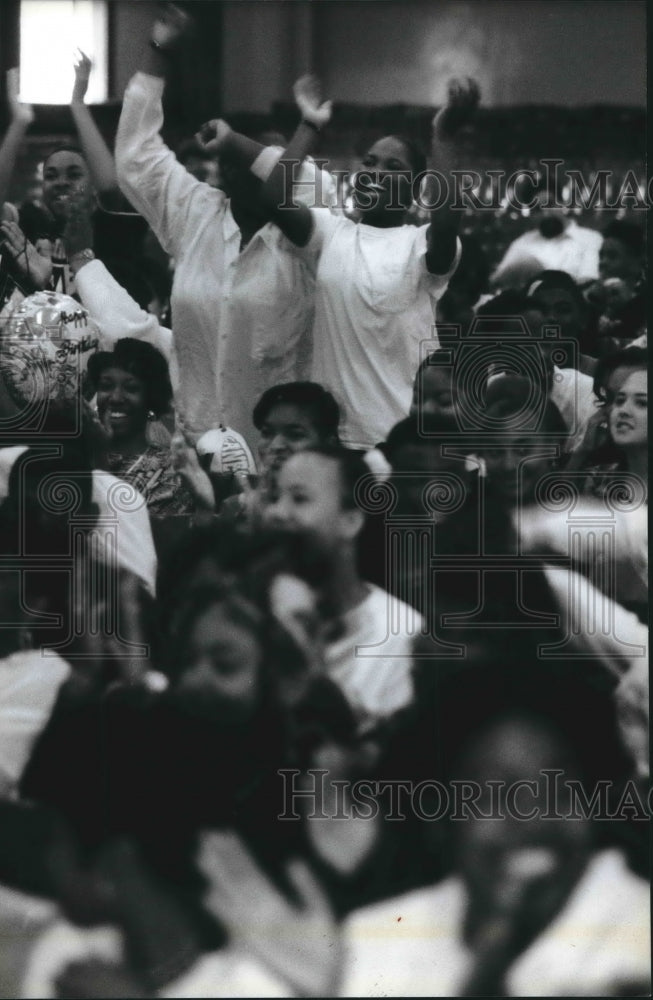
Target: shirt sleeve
(116, 313)
(149, 174)
(436, 283)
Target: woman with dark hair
(622, 387)
(132, 386)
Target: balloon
(45, 345)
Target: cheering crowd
(323, 571)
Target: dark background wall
(559, 77)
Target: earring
(151, 415)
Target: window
(50, 32)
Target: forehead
(288, 413)
(316, 471)
(617, 378)
(118, 373)
(390, 148)
(546, 296)
(64, 159)
(633, 381)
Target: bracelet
(316, 128)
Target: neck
(346, 587)
(130, 447)
(382, 220)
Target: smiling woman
(132, 384)
(46, 74)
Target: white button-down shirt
(241, 321)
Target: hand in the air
(300, 943)
(33, 265)
(212, 135)
(83, 67)
(463, 98)
(308, 98)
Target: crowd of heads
(217, 644)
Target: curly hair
(141, 360)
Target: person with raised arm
(378, 279)
(32, 237)
(242, 301)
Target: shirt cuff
(265, 162)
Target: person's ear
(353, 520)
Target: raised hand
(171, 25)
(308, 98)
(212, 135)
(300, 944)
(463, 98)
(20, 112)
(83, 67)
(34, 265)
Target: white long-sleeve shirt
(117, 315)
(239, 318)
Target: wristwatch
(81, 257)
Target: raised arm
(445, 220)
(293, 219)
(109, 304)
(21, 117)
(96, 152)
(149, 174)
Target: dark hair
(141, 360)
(627, 357)
(416, 154)
(513, 403)
(318, 403)
(63, 147)
(420, 431)
(628, 233)
(439, 358)
(555, 279)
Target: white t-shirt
(374, 304)
(599, 940)
(372, 661)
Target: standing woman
(378, 279)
